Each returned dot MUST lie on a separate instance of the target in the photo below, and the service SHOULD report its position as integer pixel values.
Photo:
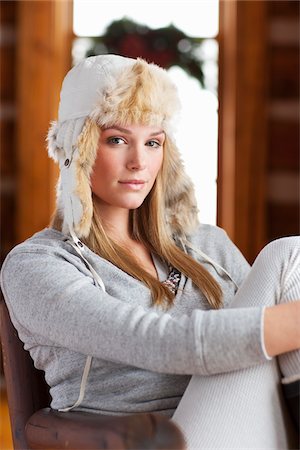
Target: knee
(283, 246)
(282, 252)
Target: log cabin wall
(8, 39)
(8, 109)
(45, 34)
(36, 41)
(283, 189)
(258, 176)
(243, 62)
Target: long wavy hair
(150, 225)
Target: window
(197, 134)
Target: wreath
(166, 46)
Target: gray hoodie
(142, 356)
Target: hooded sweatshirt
(142, 355)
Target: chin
(132, 201)
(133, 204)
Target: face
(127, 163)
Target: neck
(115, 222)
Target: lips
(132, 181)
(133, 184)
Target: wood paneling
(284, 72)
(282, 220)
(284, 145)
(258, 180)
(242, 122)
(283, 199)
(7, 145)
(8, 14)
(7, 230)
(44, 56)
(226, 179)
(8, 72)
(283, 8)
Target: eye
(114, 140)
(153, 144)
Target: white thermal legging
(244, 409)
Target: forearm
(282, 328)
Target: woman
(126, 296)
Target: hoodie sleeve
(60, 306)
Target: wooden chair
(36, 426)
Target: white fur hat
(108, 90)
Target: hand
(282, 328)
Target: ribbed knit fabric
(245, 409)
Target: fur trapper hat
(107, 90)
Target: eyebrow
(124, 130)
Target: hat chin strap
(185, 243)
(79, 248)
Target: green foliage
(166, 46)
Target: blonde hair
(149, 226)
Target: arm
(52, 303)
(282, 328)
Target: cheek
(156, 164)
(102, 170)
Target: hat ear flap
(73, 144)
(54, 151)
(87, 145)
(180, 201)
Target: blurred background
(236, 64)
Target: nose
(136, 157)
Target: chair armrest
(50, 429)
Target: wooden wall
(45, 30)
(283, 146)
(8, 114)
(242, 124)
(35, 55)
(258, 179)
